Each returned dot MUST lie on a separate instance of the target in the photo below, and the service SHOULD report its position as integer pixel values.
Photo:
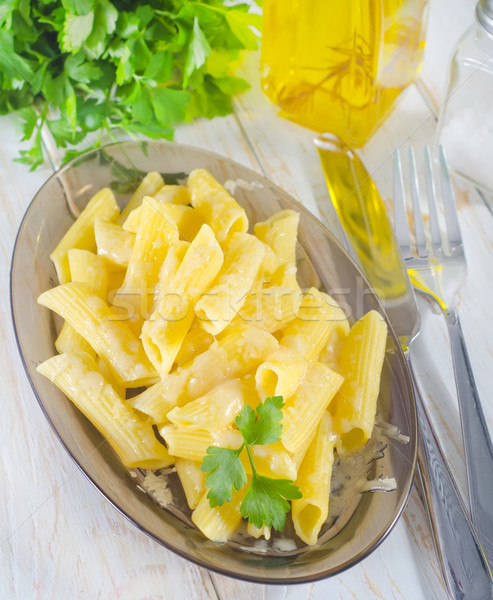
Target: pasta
(113, 243)
(112, 339)
(178, 324)
(218, 208)
(360, 362)
(179, 288)
(243, 257)
(310, 512)
(81, 234)
(192, 480)
(132, 437)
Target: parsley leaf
(265, 503)
(225, 471)
(266, 429)
(89, 65)
(266, 500)
(198, 51)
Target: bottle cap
(484, 13)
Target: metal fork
(440, 275)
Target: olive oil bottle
(338, 66)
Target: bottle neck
(484, 14)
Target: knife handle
(461, 556)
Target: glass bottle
(465, 127)
(338, 66)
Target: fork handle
(463, 564)
(477, 442)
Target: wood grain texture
(61, 539)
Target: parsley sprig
(266, 500)
(107, 65)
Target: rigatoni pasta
(113, 243)
(179, 289)
(360, 363)
(310, 512)
(81, 234)
(242, 261)
(218, 208)
(111, 338)
(132, 437)
(179, 324)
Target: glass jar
(338, 66)
(465, 127)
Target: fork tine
(450, 208)
(401, 225)
(419, 231)
(436, 237)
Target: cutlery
(440, 276)
(364, 220)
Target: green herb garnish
(82, 66)
(266, 501)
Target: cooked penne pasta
(285, 276)
(303, 411)
(280, 233)
(87, 267)
(330, 353)
(267, 268)
(108, 373)
(219, 523)
(113, 243)
(149, 186)
(237, 353)
(192, 443)
(81, 234)
(217, 207)
(195, 342)
(310, 512)
(163, 334)
(176, 194)
(170, 266)
(214, 411)
(242, 260)
(360, 363)
(309, 331)
(192, 480)
(187, 220)
(155, 234)
(302, 339)
(269, 308)
(281, 373)
(131, 437)
(70, 341)
(95, 321)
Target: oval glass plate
(350, 535)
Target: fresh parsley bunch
(81, 66)
(266, 500)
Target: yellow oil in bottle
(339, 65)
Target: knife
(370, 241)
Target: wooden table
(62, 540)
